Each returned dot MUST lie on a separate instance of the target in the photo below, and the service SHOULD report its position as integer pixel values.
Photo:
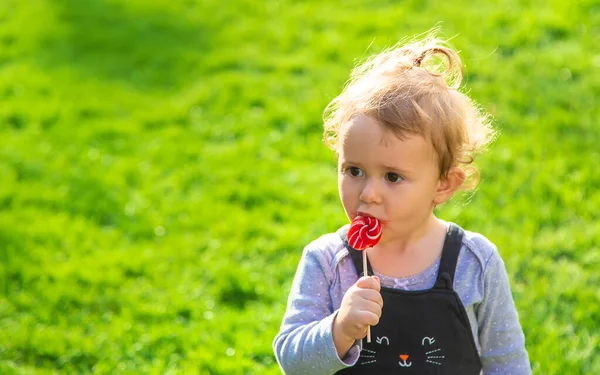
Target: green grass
(162, 168)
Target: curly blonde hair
(413, 89)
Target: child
(439, 300)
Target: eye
(354, 172)
(393, 177)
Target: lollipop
(364, 232)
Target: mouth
(364, 214)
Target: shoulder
(479, 248)
(328, 250)
(478, 264)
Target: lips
(364, 214)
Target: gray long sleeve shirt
(304, 344)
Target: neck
(422, 235)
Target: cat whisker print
(368, 358)
(433, 356)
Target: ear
(448, 185)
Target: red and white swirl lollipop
(364, 232)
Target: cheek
(346, 190)
(342, 187)
(340, 183)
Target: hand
(361, 308)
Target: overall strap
(450, 251)
(452, 245)
(355, 254)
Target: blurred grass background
(162, 168)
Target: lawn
(162, 168)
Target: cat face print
(427, 354)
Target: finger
(369, 318)
(373, 307)
(365, 304)
(369, 282)
(376, 278)
(371, 296)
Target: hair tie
(418, 60)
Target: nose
(404, 357)
(371, 192)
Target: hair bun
(449, 66)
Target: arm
(305, 344)
(342, 342)
(500, 334)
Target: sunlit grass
(162, 167)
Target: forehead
(364, 139)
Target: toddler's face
(380, 175)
